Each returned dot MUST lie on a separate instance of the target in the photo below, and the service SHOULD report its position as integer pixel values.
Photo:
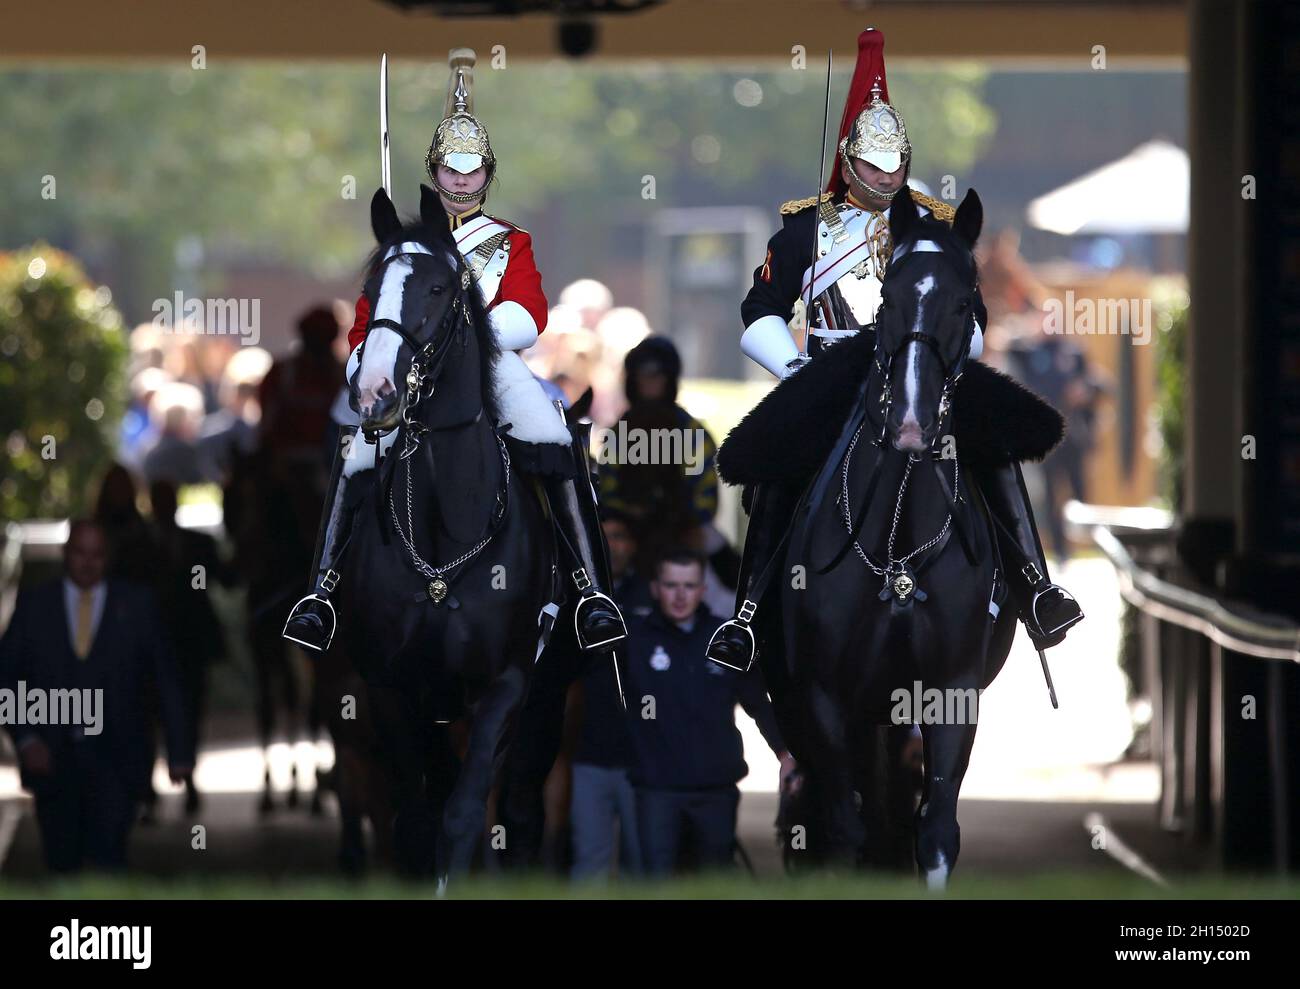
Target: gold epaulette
(941, 210)
(798, 205)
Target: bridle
(952, 372)
(427, 358)
(899, 578)
(426, 367)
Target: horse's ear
(383, 216)
(431, 211)
(969, 219)
(902, 214)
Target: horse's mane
(438, 241)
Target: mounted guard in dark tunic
(829, 258)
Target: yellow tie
(84, 615)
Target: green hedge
(62, 389)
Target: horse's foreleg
(938, 836)
(466, 811)
(840, 834)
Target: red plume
(870, 67)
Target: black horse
(891, 585)
(453, 552)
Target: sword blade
(385, 175)
(821, 180)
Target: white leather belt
(832, 334)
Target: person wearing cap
(462, 167)
(850, 221)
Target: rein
(422, 375)
(951, 375)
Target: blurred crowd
(207, 421)
(629, 794)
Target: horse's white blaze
(379, 358)
(912, 382)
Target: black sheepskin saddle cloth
(788, 435)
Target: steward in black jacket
(682, 706)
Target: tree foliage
(158, 176)
(61, 383)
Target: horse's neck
(455, 482)
(458, 394)
(923, 504)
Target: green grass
(1107, 886)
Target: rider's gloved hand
(794, 364)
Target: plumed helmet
(461, 140)
(871, 128)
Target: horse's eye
(436, 290)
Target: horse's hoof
(267, 805)
(936, 879)
(441, 889)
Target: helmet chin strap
(463, 198)
(856, 181)
(458, 197)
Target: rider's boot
(312, 621)
(733, 644)
(1047, 609)
(598, 622)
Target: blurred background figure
(603, 804)
(590, 299)
(89, 631)
(619, 331)
(232, 430)
(138, 433)
(295, 398)
(1055, 367)
(666, 504)
(176, 412)
(272, 504)
(188, 561)
(133, 555)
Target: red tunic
(521, 283)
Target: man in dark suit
(102, 639)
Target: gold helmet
(878, 135)
(461, 140)
(870, 129)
